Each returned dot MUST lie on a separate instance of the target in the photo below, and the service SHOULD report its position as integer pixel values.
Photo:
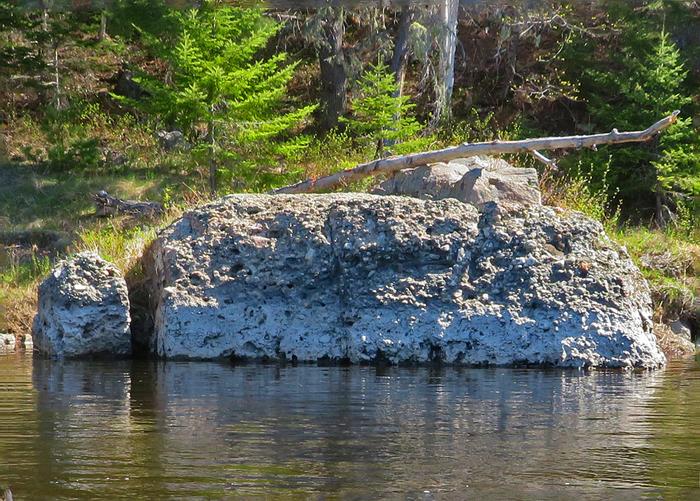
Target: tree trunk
(398, 66)
(334, 78)
(212, 159)
(44, 53)
(56, 78)
(107, 205)
(448, 14)
(103, 26)
(400, 56)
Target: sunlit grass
(55, 210)
(121, 246)
(669, 261)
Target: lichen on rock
(364, 278)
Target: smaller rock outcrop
(682, 329)
(7, 343)
(83, 310)
(474, 180)
(672, 343)
(171, 140)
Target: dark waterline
(146, 430)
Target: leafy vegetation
(381, 116)
(648, 84)
(228, 103)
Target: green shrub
(78, 154)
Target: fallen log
(107, 205)
(533, 146)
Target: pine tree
(20, 35)
(29, 49)
(226, 100)
(647, 85)
(380, 115)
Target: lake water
(147, 430)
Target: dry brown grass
(17, 308)
(673, 345)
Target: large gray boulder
(364, 278)
(475, 180)
(83, 310)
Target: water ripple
(143, 430)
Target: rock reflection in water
(155, 430)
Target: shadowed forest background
(151, 100)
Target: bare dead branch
(547, 161)
(394, 164)
(107, 205)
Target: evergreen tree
(226, 100)
(20, 35)
(29, 49)
(380, 115)
(648, 84)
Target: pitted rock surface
(364, 278)
(83, 310)
(475, 180)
